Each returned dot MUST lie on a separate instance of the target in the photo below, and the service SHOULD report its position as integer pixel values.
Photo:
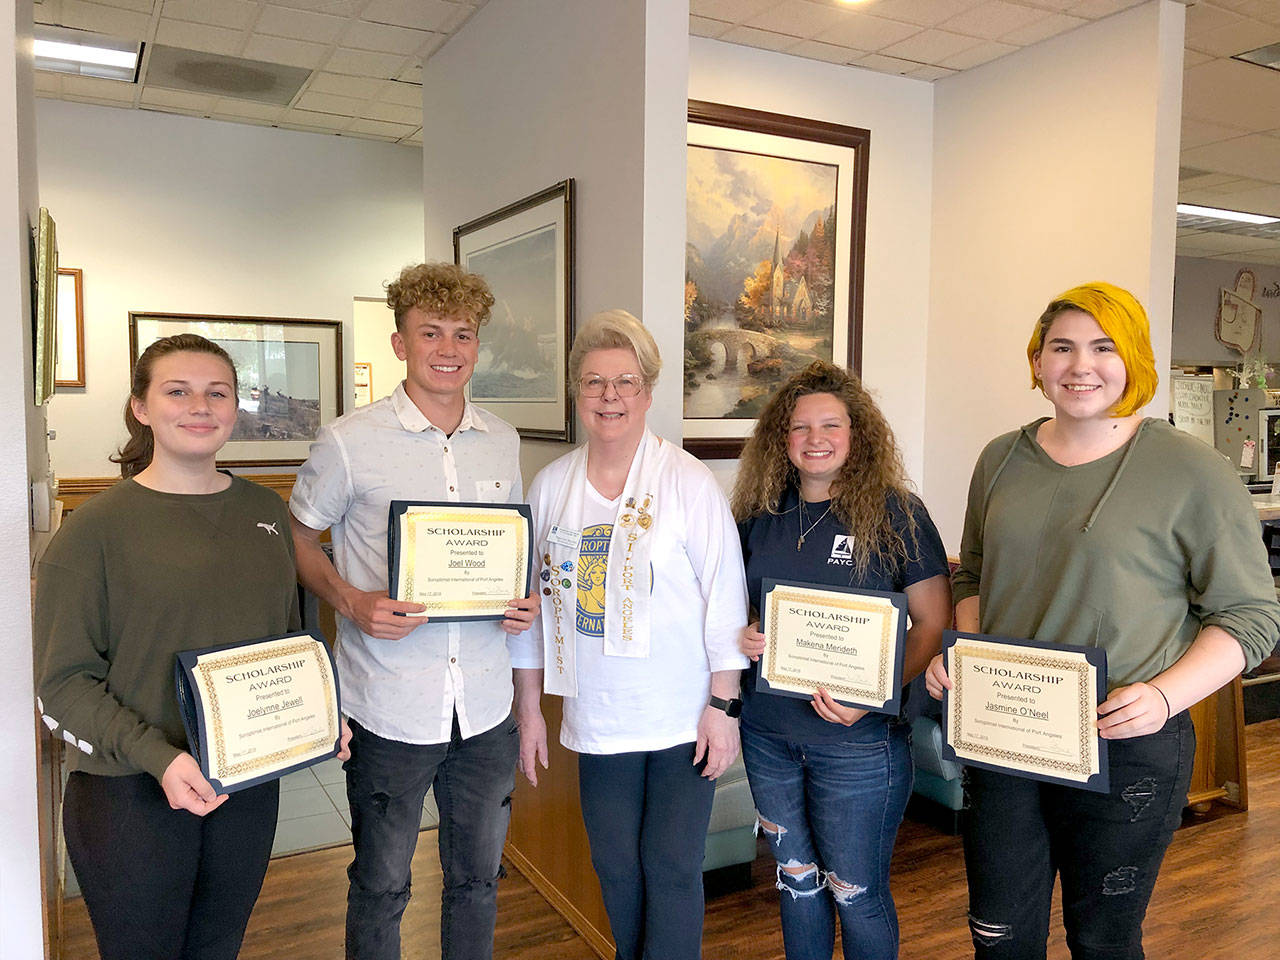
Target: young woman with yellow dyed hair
(1096, 527)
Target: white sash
(628, 585)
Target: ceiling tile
(126, 24)
(393, 113)
(362, 88)
(422, 14)
(236, 14)
(992, 20)
(866, 32)
(817, 50)
(730, 11)
(1097, 9)
(1238, 38)
(1050, 26)
(1193, 58)
(1211, 243)
(1267, 10)
(362, 35)
(293, 53)
(798, 18)
(882, 64)
(415, 139)
(383, 129)
(319, 121)
(764, 39)
(339, 8)
(931, 46)
(248, 109)
(1207, 181)
(1234, 93)
(1196, 133)
(923, 13)
(141, 6)
(405, 94)
(984, 52)
(198, 36)
(299, 25)
(363, 63)
(1203, 18)
(112, 90)
(411, 72)
(706, 27)
(160, 97)
(330, 103)
(48, 84)
(930, 72)
(1250, 156)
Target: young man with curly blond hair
(429, 703)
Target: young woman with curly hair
(821, 498)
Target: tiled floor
(313, 814)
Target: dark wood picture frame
(269, 452)
(76, 278)
(856, 139)
(538, 418)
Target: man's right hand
(377, 615)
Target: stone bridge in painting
(744, 345)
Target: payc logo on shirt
(841, 550)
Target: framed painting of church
(776, 212)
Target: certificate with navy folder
(1025, 708)
(258, 709)
(849, 642)
(462, 561)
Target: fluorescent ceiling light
(79, 52)
(1195, 211)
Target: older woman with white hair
(643, 598)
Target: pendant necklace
(803, 532)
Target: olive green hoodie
(1133, 552)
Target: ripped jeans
(1107, 848)
(387, 781)
(831, 813)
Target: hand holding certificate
(462, 561)
(849, 642)
(259, 709)
(1028, 709)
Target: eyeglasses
(626, 386)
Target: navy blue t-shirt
(769, 550)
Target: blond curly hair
(440, 288)
(871, 474)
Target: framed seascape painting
(776, 230)
(525, 253)
(290, 373)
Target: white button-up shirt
(408, 689)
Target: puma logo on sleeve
(270, 528)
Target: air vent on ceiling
(212, 73)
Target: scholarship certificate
(259, 709)
(1026, 708)
(463, 561)
(849, 642)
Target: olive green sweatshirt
(131, 579)
(1133, 552)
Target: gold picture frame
(45, 307)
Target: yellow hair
(1121, 318)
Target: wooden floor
(1218, 897)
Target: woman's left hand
(828, 709)
(521, 612)
(1132, 711)
(717, 741)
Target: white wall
(21, 430)
(898, 112)
(373, 322)
(179, 214)
(536, 93)
(1053, 166)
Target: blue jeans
(387, 781)
(831, 812)
(1106, 847)
(646, 815)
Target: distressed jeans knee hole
(986, 933)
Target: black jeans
(387, 781)
(164, 884)
(1107, 848)
(646, 815)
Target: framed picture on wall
(1268, 443)
(44, 312)
(69, 367)
(290, 373)
(776, 211)
(525, 252)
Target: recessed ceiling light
(1268, 56)
(60, 50)
(1197, 211)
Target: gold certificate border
(838, 601)
(1083, 766)
(413, 516)
(213, 706)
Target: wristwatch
(732, 708)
